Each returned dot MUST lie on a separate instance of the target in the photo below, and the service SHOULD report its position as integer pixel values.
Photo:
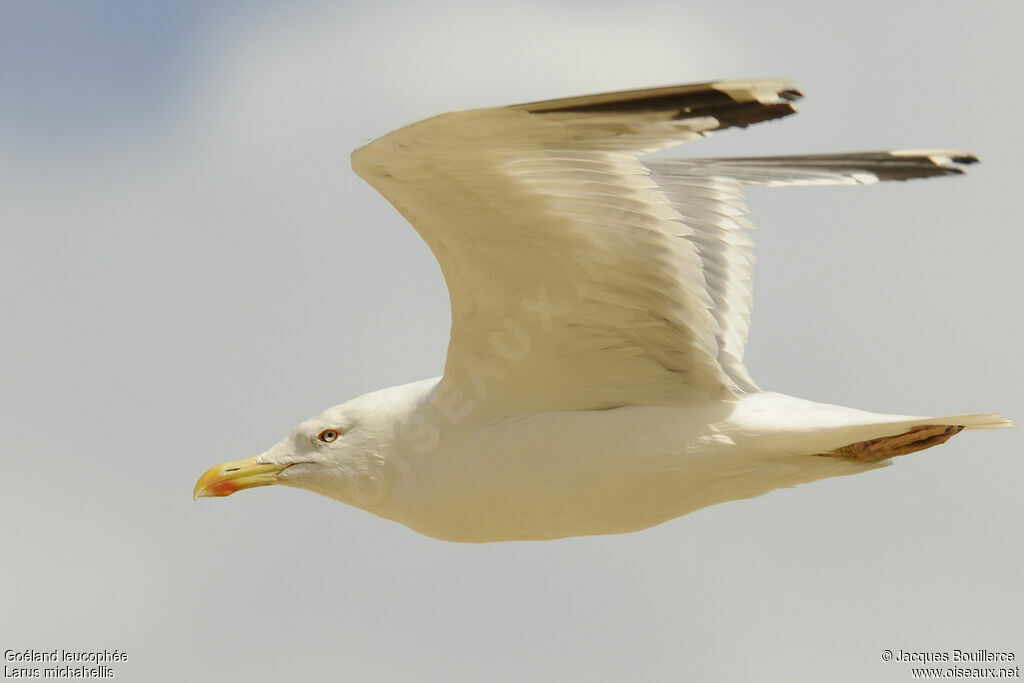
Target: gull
(600, 303)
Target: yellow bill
(225, 479)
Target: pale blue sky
(68, 67)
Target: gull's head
(341, 453)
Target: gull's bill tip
(228, 477)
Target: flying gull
(600, 302)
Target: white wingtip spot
(939, 157)
(865, 178)
(765, 92)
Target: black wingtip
(743, 114)
(732, 103)
(912, 164)
(966, 159)
(791, 94)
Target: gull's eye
(328, 435)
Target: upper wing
(579, 277)
(574, 282)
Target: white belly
(552, 475)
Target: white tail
(975, 421)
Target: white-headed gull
(600, 303)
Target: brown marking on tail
(877, 450)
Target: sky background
(189, 268)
